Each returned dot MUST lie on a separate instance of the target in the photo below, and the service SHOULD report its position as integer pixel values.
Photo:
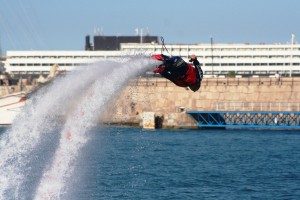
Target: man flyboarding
(179, 72)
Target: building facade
(241, 60)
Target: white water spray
(80, 97)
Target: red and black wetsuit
(179, 72)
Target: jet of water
(69, 107)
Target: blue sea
(133, 163)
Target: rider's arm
(196, 64)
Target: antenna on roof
(98, 31)
(147, 31)
(139, 33)
(293, 39)
(141, 41)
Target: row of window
(205, 64)
(62, 57)
(191, 50)
(200, 57)
(45, 64)
(251, 64)
(245, 49)
(216, 49)
(254, 56)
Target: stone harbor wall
(170, 103)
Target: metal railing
(257, 106)
(159, 81)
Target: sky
(63, 24)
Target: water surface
(132, 163)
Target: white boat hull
(10, 107)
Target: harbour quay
(220, 103)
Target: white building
(37, 62)
(240, 58)
(216, 59)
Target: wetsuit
(199, 75)
(179, 72)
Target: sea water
(133, 163)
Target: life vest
(189, 78)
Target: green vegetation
(231, 74)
